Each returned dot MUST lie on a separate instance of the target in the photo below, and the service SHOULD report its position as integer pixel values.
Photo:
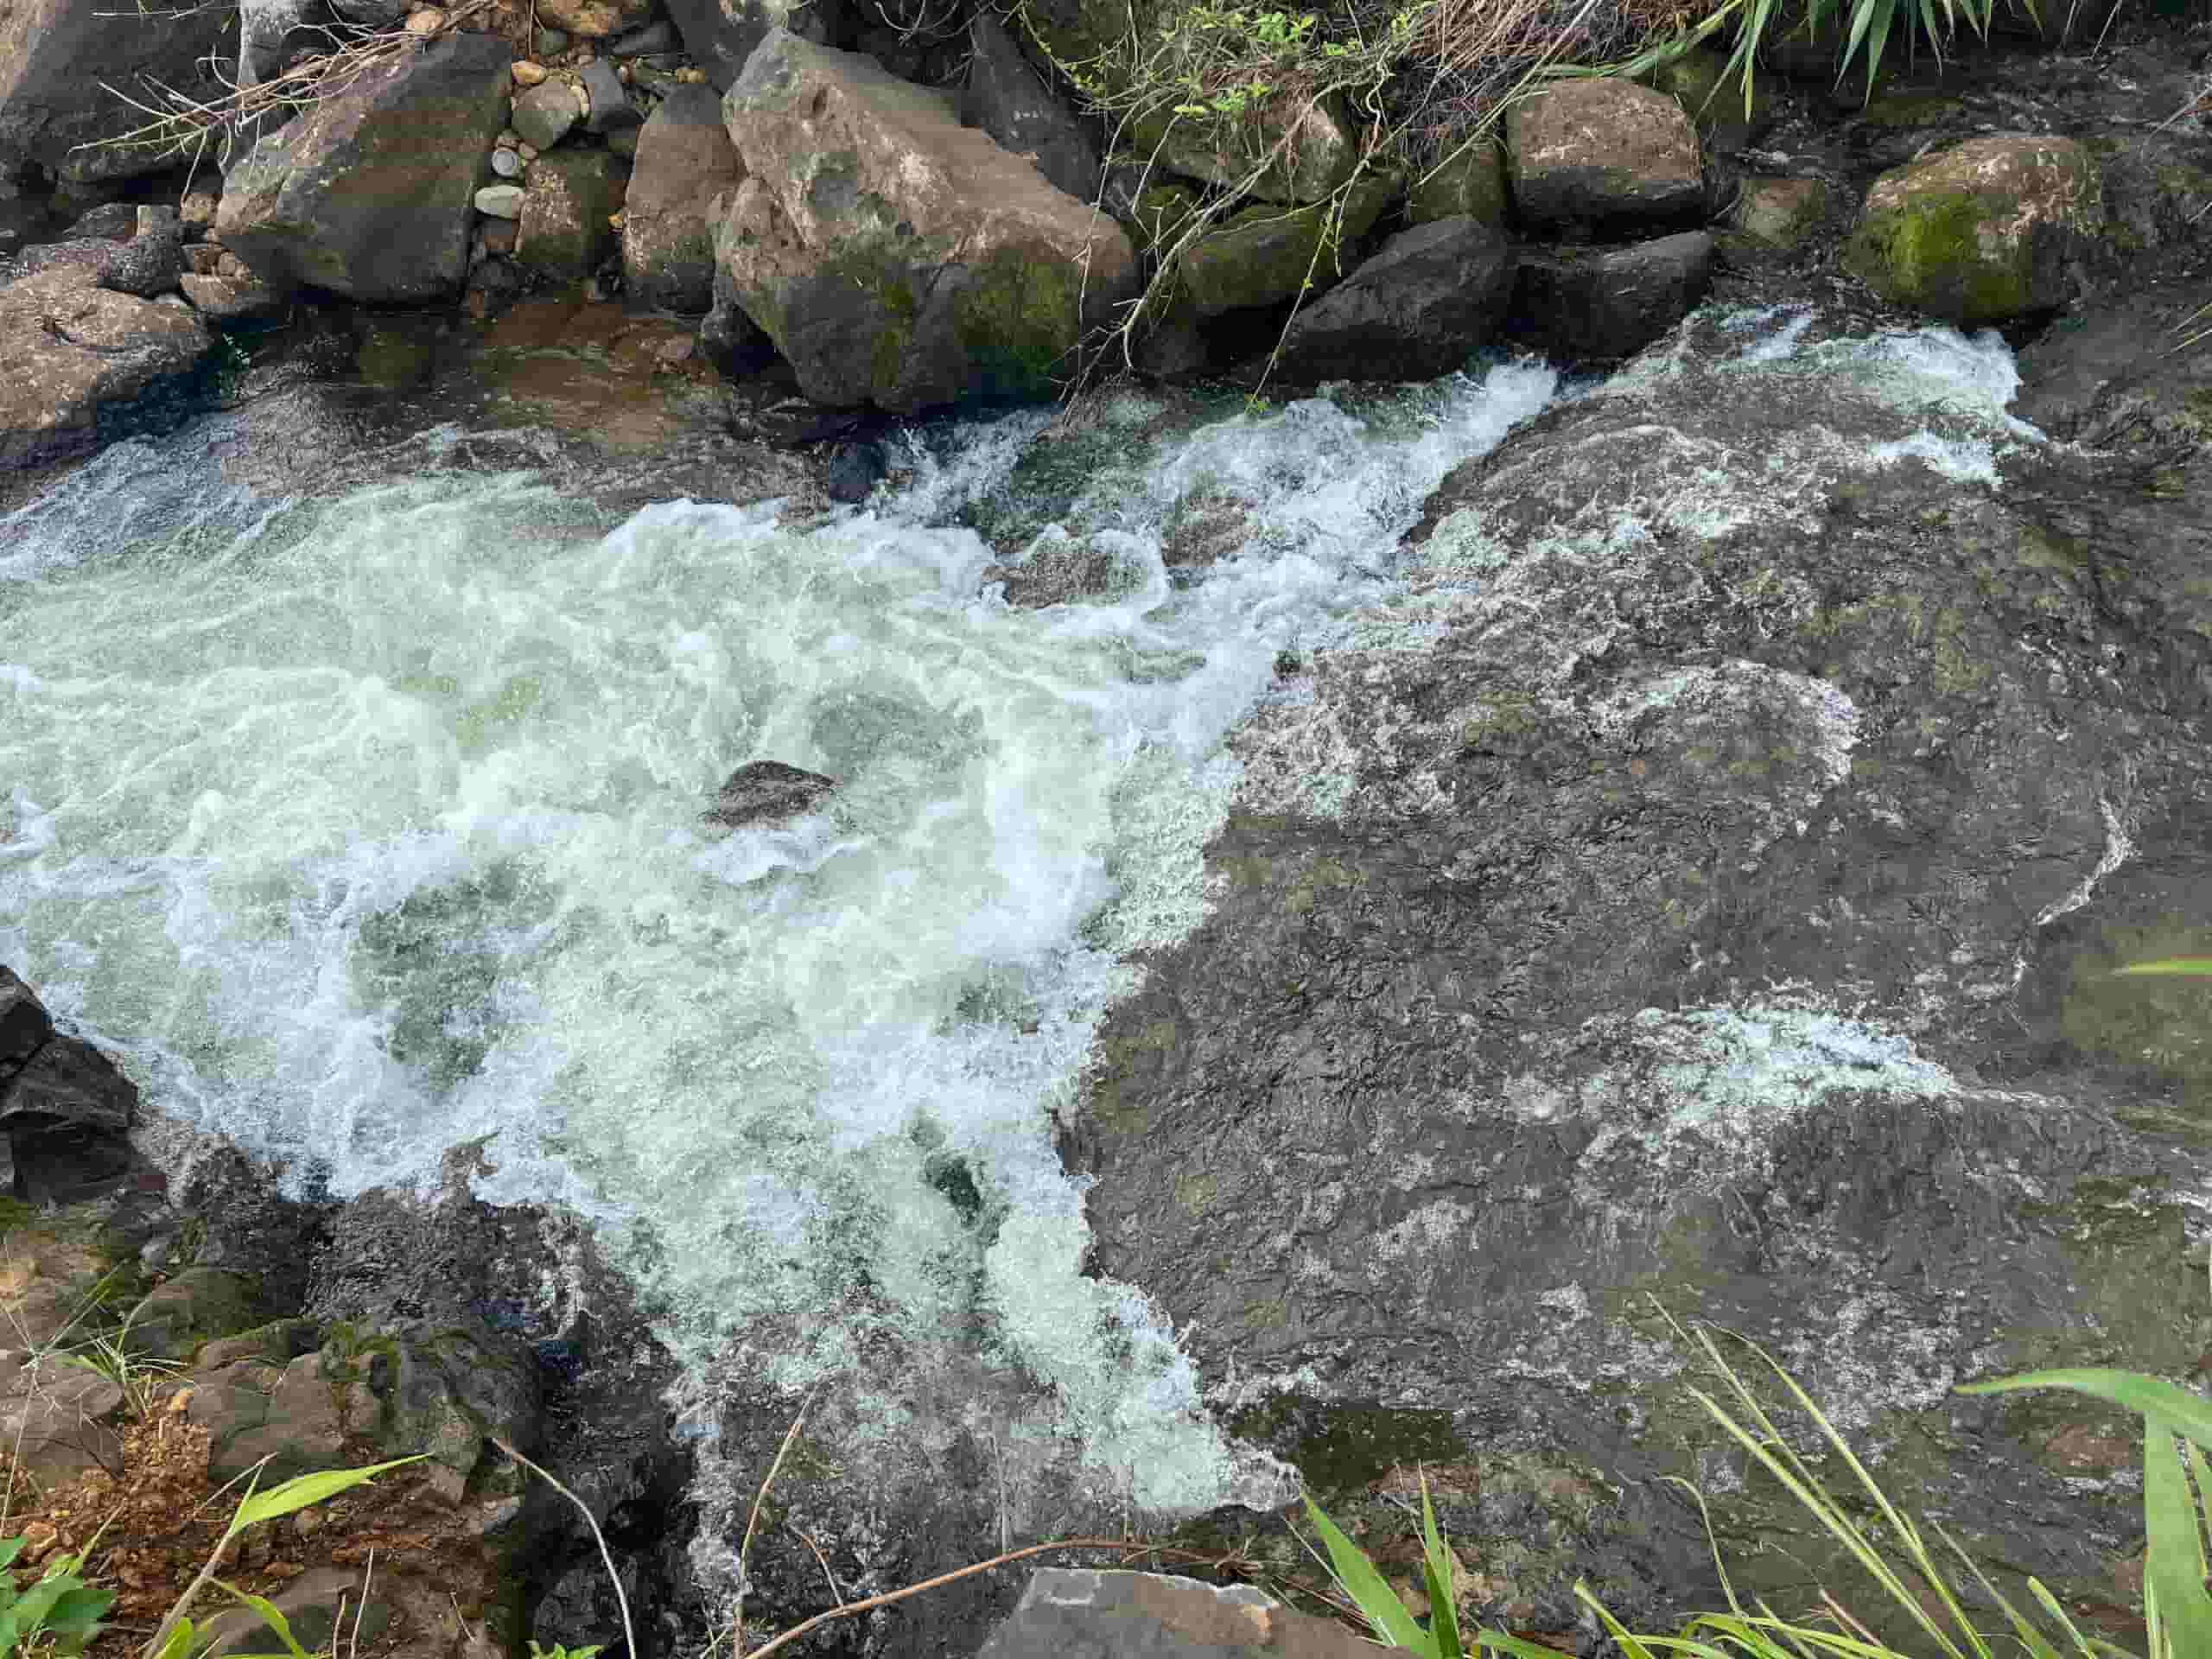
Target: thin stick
(368, 1576)
(752, 1521)
(629, 1635)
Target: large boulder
(369, 193)
(1993, 229)
(1284, 150)
(58, 58)
(895, 257)
(1007, 99)
(1581, 303)
(1469, 183)
(684, 161)
(1703, 885)
(1429, 298)
(78, 352)
(720, 34)
(1603, 154)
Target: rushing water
(364, 827)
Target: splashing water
(364, 827)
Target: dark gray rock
(571, 198)
(1703, 885)
(111, 221)
(1590, 156)
(54, 55)
(609, 100)
(854, 472)
(267, 30)
(24, 1021)
(1060, 572)
(1072, 1613)
(80, 356)
(729, 338)
(761, 790)
(684, 161)
(1007, 98)
(1581, 303)
(369, 193)
(150, 264)
(1416, 309)
(68, 1083)
(659, 35)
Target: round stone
(500, 201)
(506, 164)
(527, 73)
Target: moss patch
(1017, 319)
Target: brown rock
(71, 347)
(564, 233)
(594, 20)
(684, 161)
(1603, 153)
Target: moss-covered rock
(568, 211)
(1470, 184)
(894, 257)
(1780, 212)
(1276, 151)
(1984, 232)
(1713, 99)
(1263, 255)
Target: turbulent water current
(364, 827)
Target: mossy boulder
(1263, 255)
(568, 211)
(1780, 212)
(894, 257)
(1603, 154)
(1468, 184)
(1990, 230)
(1277, 151)
(1713, 99)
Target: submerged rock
(1993, 229)
(369, 193)
(894, 257)
(760, 791)
(1701, 885)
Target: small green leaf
(9, 1548)
(304, 1490)
(2188, 967)
(272, 1615)
(2184, 1412)
(180, 1639)
(2175, 1561)
(1369, 1590)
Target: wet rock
(1468, 185)
(150, 264)
(1781, 213)
(54, 55)
(2110, 378)
(1285, 150)
(594, 20)
(1007, 98)
(24, 1023)
(1071, 1613)
(1263, 255)
(74, 350)
(545, 114)
(111, 221)
(894, 257)
(70, 1084)
(368, 193)
(1602, 155)
(854, 472)
(1703, 888)
(732, 341)
(761, 790)
(1582, 303)
(1429, 299)
(1993, 229)
(684, 161)
(1059, 569)
(720, 34)
(571, 196)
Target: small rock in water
(763, 790)
(507, 164)
(429, 21)
(854, 470)
(500, 200)
(527, 73)
(657, 36)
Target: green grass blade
(2187, 967)
(1368, 1589)
(1436, 1564)
(303, 1490)
(2174, 1565)
(2185, 1413)
(2031, 1640)
(1514, 1647)
(9, 1548)
(272, 1615)
(2089, 1648)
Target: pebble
(506, 164)
(544, 115)
(528, 152)
(527, 73)
(499, 200)
(429, 21)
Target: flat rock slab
(1072, 1613)
(74, 350)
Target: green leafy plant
(558, 1651)
(178, 1637)
(58, 1614)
